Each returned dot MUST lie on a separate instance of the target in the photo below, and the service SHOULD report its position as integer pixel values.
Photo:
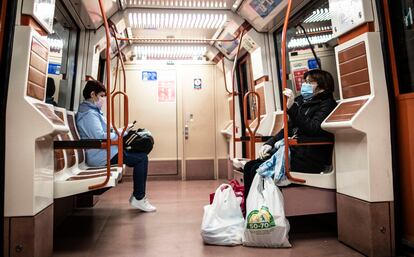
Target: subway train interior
(207, 83)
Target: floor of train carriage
(112, 228)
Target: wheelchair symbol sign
(198, 84)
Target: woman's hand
(264, 151)
(290, 97)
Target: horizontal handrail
(173, 40)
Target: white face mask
(101, 101)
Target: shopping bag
(223, 222)
(266, 224)
(238, 191)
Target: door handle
(186, 132)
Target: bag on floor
(266, 224)
(238, 191)
(223, 222)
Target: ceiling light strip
(145, 20)
(202, 4)
(169, 52)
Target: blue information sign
(149, 75)
(54, 69)
(313, 64)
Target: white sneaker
(143, 204)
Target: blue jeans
(139, 161)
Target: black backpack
(140, 140)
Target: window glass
(62, 59)
(58, 42)
(314, 25)
(403, 29)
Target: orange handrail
(174, 40)
(284, 84)
(225, 80)
(108, 102)
(119, 58)
(252, 134)
(126, 111)
(234, 94)
(116, 76)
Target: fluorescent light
(163, 52)
(318, 15)
(303, 42)
(177, 20)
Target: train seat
(325, 179)
(71, 122)
(71, 177)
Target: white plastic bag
(223, 222)
(266, 224)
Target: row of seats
(72, 175)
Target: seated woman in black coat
(306, 114)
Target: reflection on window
(309, 46)
(404, 45)
(57, 42)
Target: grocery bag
(238, 191)
(266, 224)
(223, 222)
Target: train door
(153, 105)
(400, 35)
(198, 87)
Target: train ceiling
(199, 19)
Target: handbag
(139, 140)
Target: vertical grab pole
(108, 101)
(233, 93)
(126, 111)
(284, 85)
(225, 79)
(252, 134)
(120, 141)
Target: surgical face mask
(306, 90)
(101, 101)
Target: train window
(245, 84)
(309, 45)
(62, 58)
(403, 33)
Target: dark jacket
(305, 119)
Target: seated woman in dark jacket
(306, 114)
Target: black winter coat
(305, 119)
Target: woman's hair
(93, 86)
(323, 78)
(50, 87)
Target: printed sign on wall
(298, 77)
(54, 69)
(198, 84)
(149, 75)
(166, 92)
(264, 7)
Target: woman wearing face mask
(306, 113)
(91, 124)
